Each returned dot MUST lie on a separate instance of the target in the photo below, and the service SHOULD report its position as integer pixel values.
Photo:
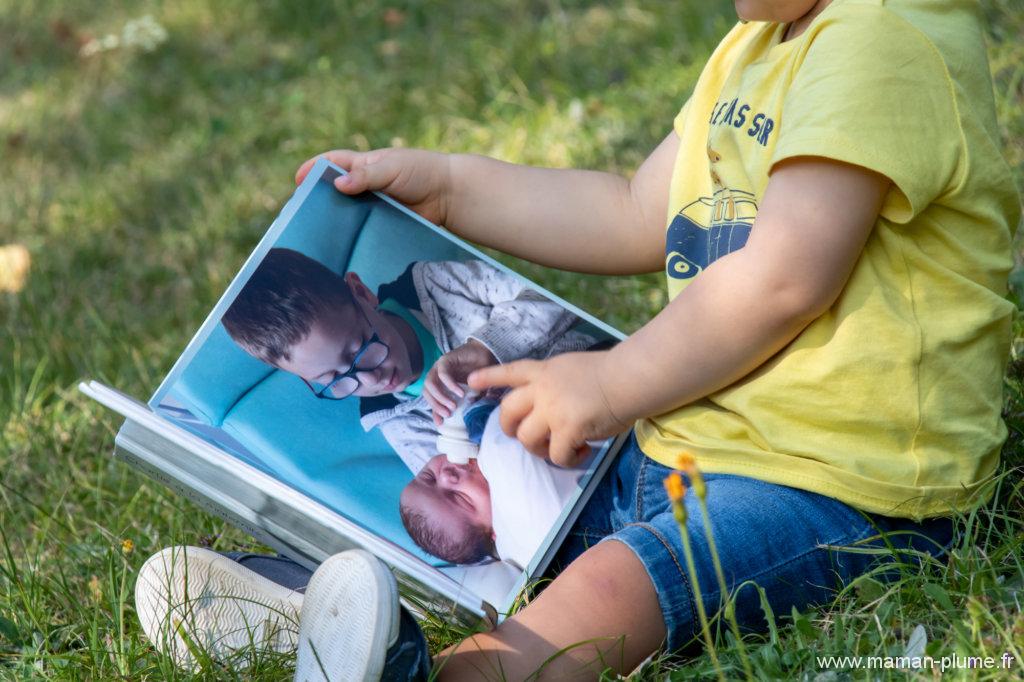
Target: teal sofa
(317, 446)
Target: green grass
(139, 181)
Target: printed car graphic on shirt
(707, 229)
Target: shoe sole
(194, 603)
(350, 617)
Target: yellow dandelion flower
(675, 487)
(127, 547)
(685, 461)
(688, 464)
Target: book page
(313, 368)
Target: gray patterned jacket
(458, 301)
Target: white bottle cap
(457, 450)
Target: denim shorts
(766, 533)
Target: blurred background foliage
(145, 148)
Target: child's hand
(417, 178)
(441, 388)
(555, 405)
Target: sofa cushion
(218, 375)
(319, 448)
(324, 228)
(390, 240)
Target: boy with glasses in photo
(401, 351)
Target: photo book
(304, 411)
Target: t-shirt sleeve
(873, 91)
(680, 119)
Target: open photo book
(301, 411)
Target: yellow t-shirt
(890, 401)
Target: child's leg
(277, 568)
(624, 597)
(603, 603)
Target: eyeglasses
(369, 357)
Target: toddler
(833, 217)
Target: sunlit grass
(138, 180)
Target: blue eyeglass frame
(325, 392)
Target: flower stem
(680, 515)
(730, 612)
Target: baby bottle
(453, 437)
(461, 433)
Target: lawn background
(139, 170)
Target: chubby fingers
(303, 170)
(521, 420)
(351, 161)
(369, 171)
(513, 374)
(564, 451)
(515, 406)
(339, 157)
(533, 433)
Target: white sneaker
(350, 618)
(195, 603)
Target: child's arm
(814, 220)
(586, 221)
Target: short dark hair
(432, 537)
(280, 303)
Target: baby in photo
(499, 505)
